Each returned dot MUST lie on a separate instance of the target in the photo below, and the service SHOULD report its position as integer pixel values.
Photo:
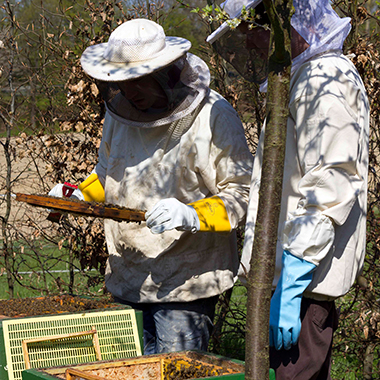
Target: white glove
(170, 213)
(57, 191)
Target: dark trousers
(311, 357)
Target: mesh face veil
(320, 26)
(185, 84)
(237, 47)
(315, 20)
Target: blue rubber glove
(285, 307)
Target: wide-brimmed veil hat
(135, 48)
(140, 48)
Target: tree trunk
(8, 121)
(368, 362)
(262, 263)
(33, 103)
(73, 247)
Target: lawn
(44, 269)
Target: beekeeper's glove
(64, 190)
(170, 213)
(205, 215)
(90, 190)
(60, 191)
(285, 307)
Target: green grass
(231, 342)
(43, 269)
(23, 290)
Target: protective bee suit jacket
(200, 155)
(324, 194)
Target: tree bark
(368, 362)
(260, 276)
(8, 121)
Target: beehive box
(68, 338)
(173, 366)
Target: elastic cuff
(92, 189)
(212, 215)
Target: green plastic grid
(117, 330)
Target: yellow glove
(212, 215)
(92, 189)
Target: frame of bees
(171, 366)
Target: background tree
(8, 120)
(261, 274)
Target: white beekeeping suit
(177, 149)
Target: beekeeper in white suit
(171, 146)
(322, 227)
